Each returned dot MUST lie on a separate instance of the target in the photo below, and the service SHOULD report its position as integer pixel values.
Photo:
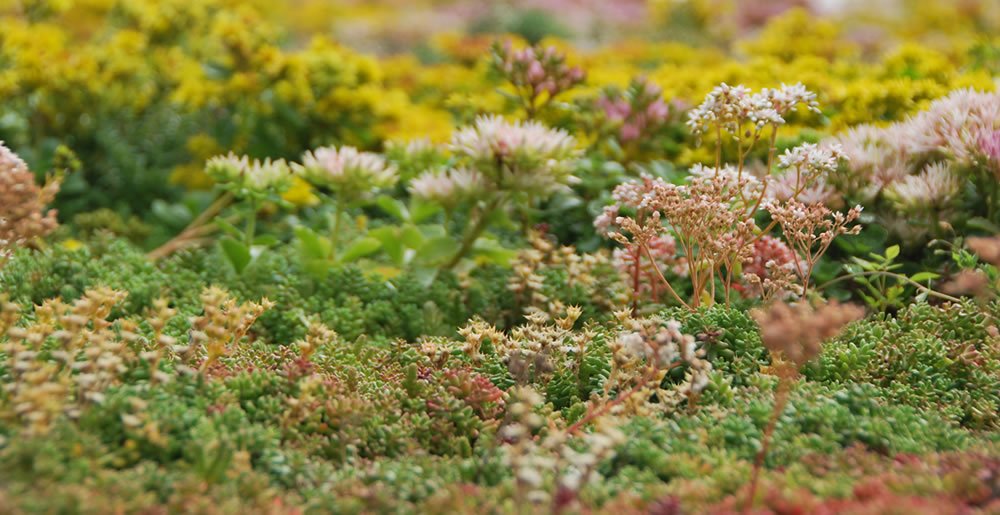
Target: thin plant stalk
(195, 231)
(664, 280)
(251, 223)
(473, 231)
(780, 400)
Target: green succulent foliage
(373, 411)
(491, 297)
(884, 286)
(31, 277)
(576, 379)
(818, 419)
(730, 337)
(939, 358)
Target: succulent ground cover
(661, 257)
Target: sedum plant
(712, 218)
(634, 117)
(246, 183)
(90, 356)
(537, 74)
(931, 173)
(349, 178)
(500, 166)
(23, 216)
(793, 334)
(250, 183)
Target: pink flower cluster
(639, 110)
(920, 164)
(952, 125)
(989, 146)
(770, 255)
(765, 250)
(540, 70)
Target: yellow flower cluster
(795, 47)
(272, 84)
(64, 64)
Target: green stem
(991, 198)
(251, 223)
(473, 231)
(930, 292)
(663, 279)
(335, 237)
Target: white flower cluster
(246, 177)
(787, 186)
(810, 158)
(528, 460)
(448, 187)
(517, 156)
(786, 98)
(581, 466)
(934, 187)
(664, 343)
(347, 171)
(806, 169)
(730, 177)
(731, 107)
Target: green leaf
(360, 249)
(312, 245)
(421, 210)
(871, 238)
(393, 207)
(236, 252)
(892, 252)
(492, 251)
(411, 237)
(425, 276)
(392, 244)
(433, 230)
(228, 228)
(318, 268)
(437, 250)
(982, 224)
(265, 240)
(875, 291)
(565, 202)
(173, 215)
(923, 276)
(867, 266)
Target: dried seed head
(986, 248)
(797, 331)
